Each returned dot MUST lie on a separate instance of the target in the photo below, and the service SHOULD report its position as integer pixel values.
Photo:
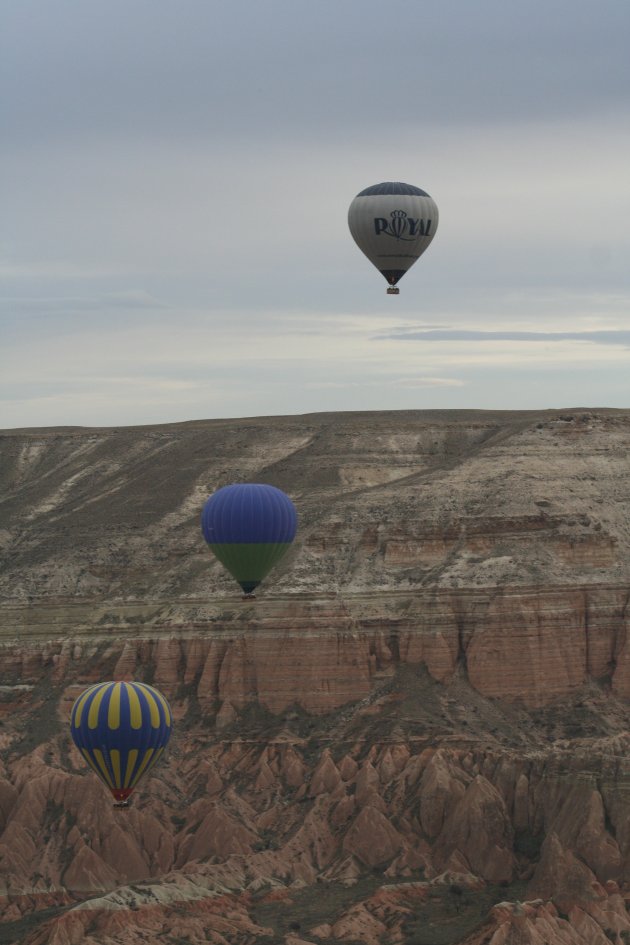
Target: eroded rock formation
(423, 722)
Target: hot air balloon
(121, 729)
(393, 223)
(249, 527)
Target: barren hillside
(417, 733)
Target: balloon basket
(248, 597)
(393, 290)
(121, 805)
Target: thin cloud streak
(600, 337)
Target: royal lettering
(402, 227)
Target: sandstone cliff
(418, 732)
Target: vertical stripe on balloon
(78, 712)
(153, 708)
(145, 761)
(98, 755)
(135, 709)
(113, 712)
(96, 704)
(132, 757)
(114, 757)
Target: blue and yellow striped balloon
(121, 729)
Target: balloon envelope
(121, 729)
(249, 527)
(393, 223)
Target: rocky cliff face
(419, 732)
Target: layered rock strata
(419, 731)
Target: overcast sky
(175, 184)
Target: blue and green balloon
(121, 729)
(249, 527)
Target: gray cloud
(240, 69)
